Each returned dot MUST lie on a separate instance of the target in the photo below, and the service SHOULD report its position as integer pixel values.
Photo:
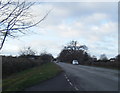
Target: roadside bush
(106, 63)
(46, 57)
(16, 64)
(12, 65)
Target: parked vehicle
(75, 62)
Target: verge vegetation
(29, 77)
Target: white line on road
(68, 80)
(65, 75)
(71, 82)
(76, 88)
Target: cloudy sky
(94, 24)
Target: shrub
(12, 65)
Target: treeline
(70, 55)
(73, 51)
(12, 65)
(112, 62)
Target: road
(58, 83)
(80, 78)
(87, 78)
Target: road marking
(70, 82)
(76, 88)
(66, 77)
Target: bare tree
(15, 17)
(27, 51)
(103, 57)
(74, 51)
(73, 45)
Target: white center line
(70, 82)
(76, 88)
(65, 75)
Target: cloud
(50, 46)
(10, 49)
(92, 24)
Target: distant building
(112, 59)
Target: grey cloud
(86, 22)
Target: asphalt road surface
(58, 83)
(80, 78)
(87, 78)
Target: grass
(27, 78)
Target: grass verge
(27, 78)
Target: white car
(75, 62)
